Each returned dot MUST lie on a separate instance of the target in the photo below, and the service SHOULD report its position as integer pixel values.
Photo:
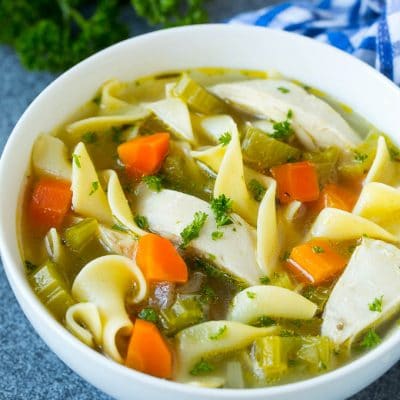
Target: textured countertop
(28, 369)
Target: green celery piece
(181, 172)
(81, 234)
(271, 356)
(353, 166)
(316, 351)
(186, 311)
(197, 97)
(318, 295)
(51, 289)
(325, 163)
(281, 279)
(262, 152)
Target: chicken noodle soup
(217, 228)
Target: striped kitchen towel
(368, 29)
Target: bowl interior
(348, 80)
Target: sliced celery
(181, 172)
(360, 159)
(282, 279)
(186, 311)
(325, 162)
(262, 152)
(270, 355)
(197, 97)
(51, 288)
(81, 234)
(316, 352)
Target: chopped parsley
(283, 89)
(89, 137)
(117, 135)
(97, 100)
(77, 160)
(30, 266)
(148, 314)
(119, 227)
(217, 235)
(153, 182)
(202, 367)
(221, 332)
(371, 339)
(192, 231)
(225, 139)
(207, 295)
(264, 280)
(222, 207)
(142, 222)
(266, 321)
(318, 250)
(251, 295)
(351, 248)
(285, 256)
(376, 305)
(95, 186)
(283, 130)
(257, 189)
(360, 157)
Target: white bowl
(347, 79)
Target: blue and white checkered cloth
(368, 29)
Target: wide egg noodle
(212, 338)
(337, 224)
(230, 180)
(257, 301)
(380, 203)
(119, 204)
(110, 101)
(383, 169)
(83, 321)
(50, 158)
(87, 200)
(215, 126)
(174, 113)
(105, 282)
(211, 156)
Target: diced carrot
(148, 352)
(296, 181)
(159, 260)
(315, 262)
(336, 196)
(50, 202)
(144, 155)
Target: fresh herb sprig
(192, 231)
(221, 206)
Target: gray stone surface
(28, 369)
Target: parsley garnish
(207, 295)
(360, 157)
(221, 331)
(116, 135)
(89, 137)
(318, 249)
(376, 305)
(141, 222)
(225, 138)
(264, 280)
(283, 129)
(77, 160)
(95, 186)
(202, 367)
(257, 189)
(266, 321)
(119, 227)
(30, 266)
(351, 248)
(153, 182)
(371, 339)
(251, 295)
(217, 235)
(285, 256)
(148, 314)
(97, 100)
(283, 89)
(222, 207)
(192, 231)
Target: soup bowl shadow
(230, 46)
